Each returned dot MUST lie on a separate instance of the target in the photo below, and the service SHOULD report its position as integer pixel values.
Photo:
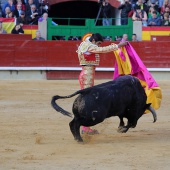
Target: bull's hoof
(122, 129)
(78, 139)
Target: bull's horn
(151, 109)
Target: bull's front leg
(129, 125)
(121, 125)
(122, 128)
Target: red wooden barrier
(160, 38)
(15, 37)
(63, 53)
(21, 51)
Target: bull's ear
(147, 105)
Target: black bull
(123, 97)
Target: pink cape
(139, 70)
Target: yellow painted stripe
(146, 35)
(32, 32)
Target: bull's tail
(57, 107)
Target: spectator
(160, 3)
(143, 6)
(154, 21)
(9, 4)
(165, 21)
(2, 31)
(20, 2)
(165, 3)
(125, 8)
(28, 5)
(17, 29)
(118, 38)
(37, 3)
(167, 10)
(134, 37)
(73, 38)
(140, 15)
(152, 1)
(124, 38)
(38, 36)
(32, 15)
(21, 19)
(154, 5)
(45, 17)
(106, 12)
(151, 9)
(30, 2)
(7, 12)
(43, 7)
(106, 15)
(11, 15)
(18, 11)
(133, 3)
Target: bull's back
(129, 82)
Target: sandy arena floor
(33, 136)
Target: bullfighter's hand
(121, 44)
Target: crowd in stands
(29, 12)
(30, 9)
(149, 12)
(26, 12)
